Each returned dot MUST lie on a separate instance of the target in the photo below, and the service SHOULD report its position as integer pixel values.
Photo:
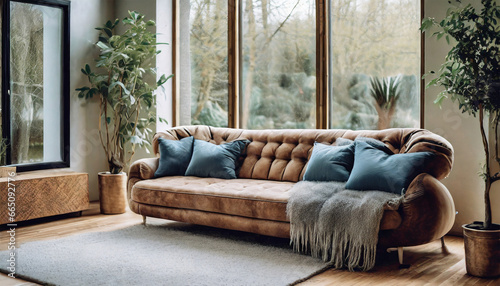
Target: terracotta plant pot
(482, 250)
(112, 192)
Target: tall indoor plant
(120, 80)
(470, 75)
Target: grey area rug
(163, 254)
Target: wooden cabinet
(44, 193)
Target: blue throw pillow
(330, 163)
(174, 156)
(374, 169)
(343, 141)
(375, 143)
(215, 161)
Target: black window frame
(65, 96)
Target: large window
(35, 84)
(298, 64)
(203, 66)
(278, 64)
(374, 64)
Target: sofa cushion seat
(262, 199)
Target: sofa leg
(144, 220)
(400, 257)
(444, 249)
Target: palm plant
(386, 93)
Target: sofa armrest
(427, 211)
(143, 169)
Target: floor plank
(429, 265)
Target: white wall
(145, 7)
(148, 9)
(164, 27)
(52, 39)
(462, 131)
(86, 153)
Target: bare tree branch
(281, 25)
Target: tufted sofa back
(282, 154)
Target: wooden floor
(428, 264)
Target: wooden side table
(44, 193)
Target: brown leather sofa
(274, 161)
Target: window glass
(35, 83)
(278, 64)
(374, 64)
(203, 62)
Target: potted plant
(126, 99)
(470, 75)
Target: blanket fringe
(336, 225)
(338, 248)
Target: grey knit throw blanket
(337, 225)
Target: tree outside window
(373, 63)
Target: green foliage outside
(386, 93)
(278, 62)
(127, 98)
(373, 38)
(27, 95)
